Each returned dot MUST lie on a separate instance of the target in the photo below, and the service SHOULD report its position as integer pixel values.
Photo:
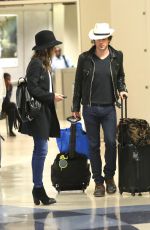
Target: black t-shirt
(102, 86)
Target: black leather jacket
(85, 76)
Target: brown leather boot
(110, 186)
(99, 190)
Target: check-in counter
(64, 84)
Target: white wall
(65, 29)
(90, 12)
(71, 33)
(58, 21)
(42, 20)
(131, 22)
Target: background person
(9, 108)
(46, 125)
(2, 90)
(60, 61)
(99, 80)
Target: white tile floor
(16, 198)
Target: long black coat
(46, 124)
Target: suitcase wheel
(57, 188)
(133, 193)
(140, 194)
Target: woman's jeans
(94, 117)
(39, 154)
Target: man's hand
(76, 114)
(123, 94)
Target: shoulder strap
(66, 63)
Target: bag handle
(72, 142)
(73, 120)
(124, 107)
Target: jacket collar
(112, 51)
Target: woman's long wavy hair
(45, 56)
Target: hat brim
(92, 36)
(48, 45)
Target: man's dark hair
(109, 38)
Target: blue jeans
(94, 118)
(38, 158)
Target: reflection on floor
(100, 218)
(73, 210)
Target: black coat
(85, 75)
(46, 124)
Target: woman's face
(51, 51)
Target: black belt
(97, 104)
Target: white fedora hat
(100, 31)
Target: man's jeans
(39, 154)
(94, 117)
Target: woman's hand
(58, 97)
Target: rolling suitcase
(133, 154)
(70, 171)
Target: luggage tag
(63, 162)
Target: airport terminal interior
(74, 210)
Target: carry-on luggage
(70, 171)
(133, 154)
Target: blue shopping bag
(82, 143)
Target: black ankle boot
(39, 194)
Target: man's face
(102, 44)
(58, 52)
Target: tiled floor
(73, 210)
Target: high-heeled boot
(39, 194)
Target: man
(59, 61)
(99, 80)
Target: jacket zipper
(112, 79)
(92, 82)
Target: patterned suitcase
(133, 161)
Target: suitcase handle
(73, 120)
(72, 143)
(124, 107)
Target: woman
(9, 107)
(46, 124)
